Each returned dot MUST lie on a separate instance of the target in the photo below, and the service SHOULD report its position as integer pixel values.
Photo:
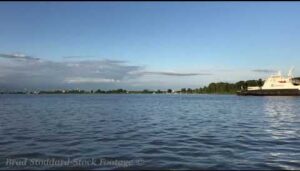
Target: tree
(183, 90)
(169, 91)
(260, 82)
(212, 88)
(99, 91)
(240, 85)
(146, 91)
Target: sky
(145, 45)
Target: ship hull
(270, 92)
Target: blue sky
(224, 40)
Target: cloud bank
(19, 71)
(173, 73)
(17, 56)
(264, 70)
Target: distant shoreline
(212, 88)
(96, 94)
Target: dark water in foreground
(149, 132)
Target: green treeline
(222, 87)
(212, 88)
(61, 92)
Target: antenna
(290, 74)
(279, 73)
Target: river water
(149, 132)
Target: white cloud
(18, 56)
(173, 73)
(90, 80)
(264, 70)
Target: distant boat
(275, 85)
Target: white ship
(276, 85)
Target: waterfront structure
(276, 85)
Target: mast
(290, 74)
(279, 73)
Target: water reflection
(282, 125)
(280, 113)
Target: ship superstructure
(276, 84)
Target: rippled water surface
(158, 131)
